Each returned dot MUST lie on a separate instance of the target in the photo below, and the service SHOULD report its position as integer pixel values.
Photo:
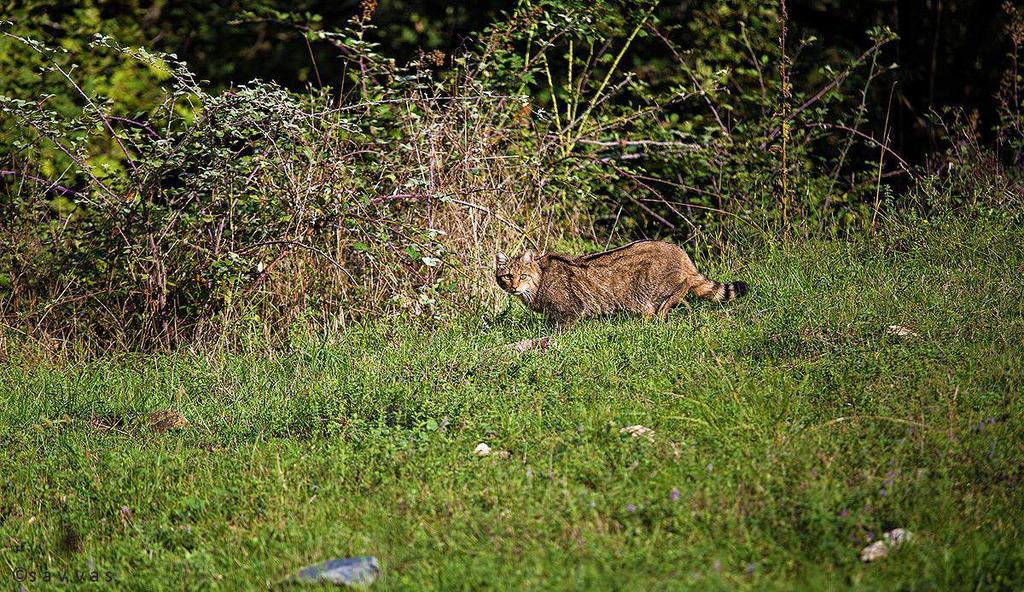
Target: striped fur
(645, 277)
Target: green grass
(791, 424)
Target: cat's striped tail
(717, 291)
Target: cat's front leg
(561, 322)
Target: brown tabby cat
(647, 277)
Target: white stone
(875, 551)
(482, 449)
(890, 540)
(897, 536)
(900, 331)
(638, 431)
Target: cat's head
(518, 275)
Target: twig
(149, 130)
(786, 115)
(653, 29)
(301, 245)
(52, 186)
(612, 231)
(607, 77)
(835, 82)
(881, 158)
(687, 145)
(903, 163)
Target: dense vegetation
(146, 207)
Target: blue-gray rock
(349, 571)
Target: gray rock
(348, 571)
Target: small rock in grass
(482, 449)
(898, 536)
(166, 419)
(638, 431)
(349, 571)
(890, 540)
(900, 331)
(875, 551)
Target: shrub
(296, 201)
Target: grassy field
(790, 428)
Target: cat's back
(638, 254)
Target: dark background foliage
(951, 53)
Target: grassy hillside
(789, 429)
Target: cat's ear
(528, 256)
(500, 260)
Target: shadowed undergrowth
(789, 429)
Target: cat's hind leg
(672, 301)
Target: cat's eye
(506, 276)
(522, 276)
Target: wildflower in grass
(631, 507)
(674, 495)
(844, 512)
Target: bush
(293, 200)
